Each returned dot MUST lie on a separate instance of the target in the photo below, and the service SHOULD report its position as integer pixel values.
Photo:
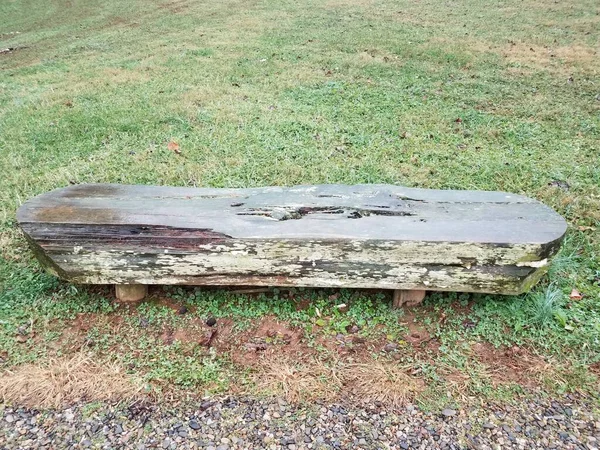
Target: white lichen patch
(386, 264)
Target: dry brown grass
(385, 381)
(558, 59)
(457, 382)
(529, 56)
(298, 382)
(67, 380)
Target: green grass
(280, 93)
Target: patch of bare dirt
(510, 364)
(282, 359)
(74, 336)
(417, 335)
(265, 338)
(595, 368)
(195, 333)
(167, 302)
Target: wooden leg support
(407, 298)
(130, 292)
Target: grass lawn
(456, 95)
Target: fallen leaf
(585, 228)
(575, 295)
(174, 147)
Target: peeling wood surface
(370, 236)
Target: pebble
(233, 423)
(448, 412)
(390, 347)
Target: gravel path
(246, 423)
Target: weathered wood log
(365, 236)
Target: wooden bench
(365, 236)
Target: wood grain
(370, 236)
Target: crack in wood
(300, 212)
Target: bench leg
(130, 292)
(404, 297)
